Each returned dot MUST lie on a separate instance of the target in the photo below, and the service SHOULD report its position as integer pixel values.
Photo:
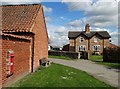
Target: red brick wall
(40, 38)
(78, 43)
(92, 43)
(21, 50)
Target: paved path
(98, 71)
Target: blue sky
(68, 15)
(61, 10)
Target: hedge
(74, 55)
(111, 54)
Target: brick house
(24, 40)
(89, 41)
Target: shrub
(111, 54)
(74, 55)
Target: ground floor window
(82, 48)
(96, 48)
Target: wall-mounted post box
(10, 63)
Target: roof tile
(18, 18)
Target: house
(24, 40)
(49, 47)
(89, 41)
(66, 47)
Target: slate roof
(75, 34)
(19, 18)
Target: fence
(111, 54)
(74, 55)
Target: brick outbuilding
(24, 40)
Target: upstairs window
(95, 39)
(81, 39)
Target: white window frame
(95, 39)
(97, 48)
(81, 39)
(82, 48)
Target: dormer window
(81, 39)
(95, 39)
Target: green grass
(59, 76)
(96, 58)
(99, 60)
(60, 57)
(110, 65)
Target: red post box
(10, 63)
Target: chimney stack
(87, 28)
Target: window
(82, 48)
(95, 39)
(81, 39)
(96, 47)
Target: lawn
(60, 57)
(59, 76)
(99, 60)
(110, 65)
(96, 58)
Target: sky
(72, 15)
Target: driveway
(98, 71)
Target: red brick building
(24, 40)
(89, 41)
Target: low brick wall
(74, 55)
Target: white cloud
(62, 18)
(101, 14)
(58, 35)
(90, 0)
(47, 9)
(100, 29)
(48, 19)
(75, 23)
(76, 0)
(81, 6)
(12, 2)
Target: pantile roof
(19, 18)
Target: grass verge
(99, 60)
(60, 76)
(110, 65)
(96, 58)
